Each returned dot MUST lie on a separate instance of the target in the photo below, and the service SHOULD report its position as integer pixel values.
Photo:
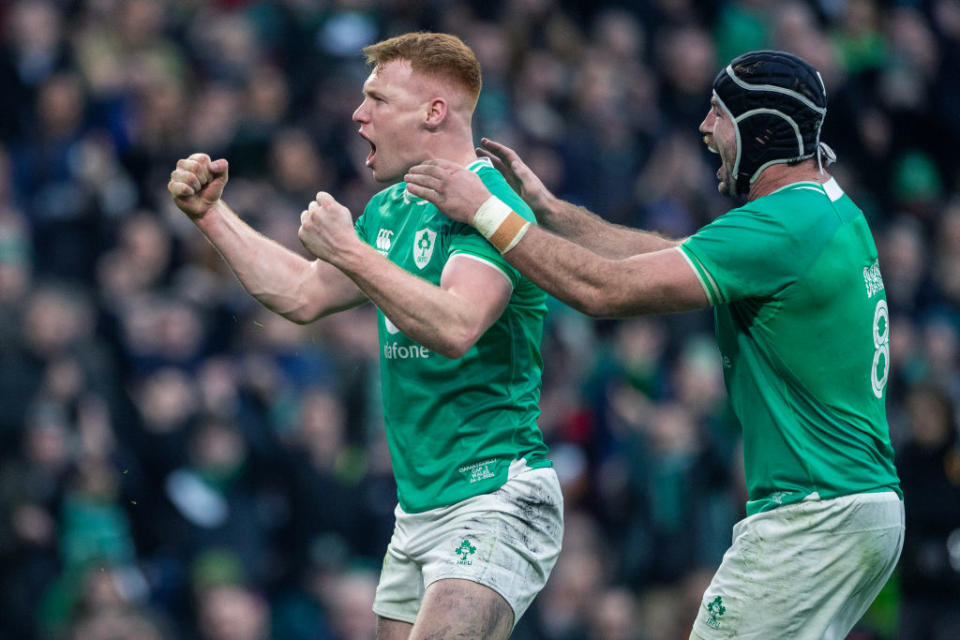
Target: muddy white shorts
(805, 571)
(507, 540)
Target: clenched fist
(326, 228)
(197, 184)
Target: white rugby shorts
(804, 571)
(507, 540)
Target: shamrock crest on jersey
(423, 244)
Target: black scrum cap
(777, 103)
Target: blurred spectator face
(940, 345)
(215, 117)
(295, 163)
(902, 260)
(232, 613)
(860, 17)
(614, 616)
(489, 44)
(54, 320)
(268, 95)
(47, 443)
(218, 449)
(166, 400)
(141, 21)
(165, 328)
(698, 379)
(688, 54)
(673, 431)
(322, 426)
(218, 383)
(929, 413)
(350, 605)
(146, 248)
(226, 44)
(620, 35)
(639, 344)
(913, 38)
(34, 28)
(566, 600)
(60, 106)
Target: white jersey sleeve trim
(706, 287)
(499, 269)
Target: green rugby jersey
(454, 426)
(803, 329)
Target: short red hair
(436, 54)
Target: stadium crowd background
(175, 462)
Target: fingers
(186, 178)
(425, 178)
(426, 193)
(495, 159)
(502, 151)
(180, 189)
(198, 166)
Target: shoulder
(499, 187)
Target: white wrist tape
(499, 224)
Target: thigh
(805, 571)
(454, 608)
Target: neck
(457, 147)
(777, 176)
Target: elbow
(298, 318)
(302, 314)
(459, 342)
(592, 303)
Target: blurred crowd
(176, 462)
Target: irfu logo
(715, 611)
(465, 550)
(423, 247)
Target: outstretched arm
(575, 223)
(447, 319)
(281, 280)
(651, 282)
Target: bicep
(482, 285)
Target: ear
(436, 113)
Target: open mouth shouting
(373, 150)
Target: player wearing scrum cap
(802, 325)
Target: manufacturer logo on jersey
(465, 550)
(423, 244)
(384, 240)
(715, 611)
(872, 279)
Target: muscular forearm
(583, 227)
(281, 280)
(436, 318)
(594, 284)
